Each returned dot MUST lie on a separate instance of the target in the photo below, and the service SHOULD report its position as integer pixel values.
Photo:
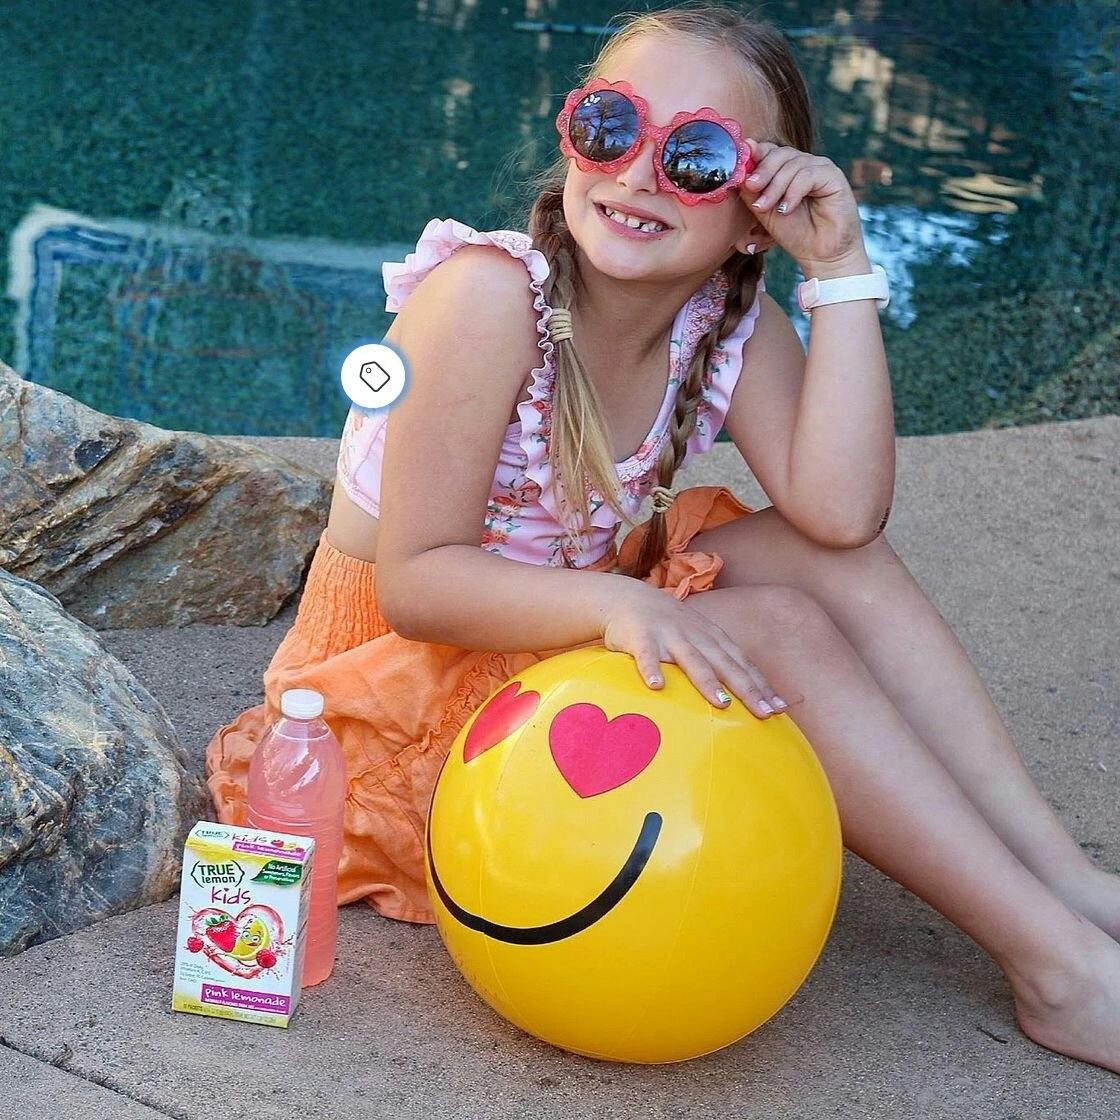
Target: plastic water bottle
(297, 784)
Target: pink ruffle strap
(724, 368)
(439, 239)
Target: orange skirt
(397, 705)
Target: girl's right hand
(653, 627)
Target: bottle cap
(301, 703)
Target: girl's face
(672, 73)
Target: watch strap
(839, 289)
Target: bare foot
(1077, 1012)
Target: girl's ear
(758, 237)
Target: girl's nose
(639, 173)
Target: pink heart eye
(500, 718)
(595, 754)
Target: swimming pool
(198, 198)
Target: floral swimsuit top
(523, 519)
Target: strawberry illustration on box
(242, 891)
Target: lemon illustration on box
(254, 936)
(631, 874)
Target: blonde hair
(578, 443)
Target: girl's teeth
(633, 223)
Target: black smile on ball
(605, 901)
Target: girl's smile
(621, 227)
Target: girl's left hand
(820, 226)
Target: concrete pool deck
(1012, 533)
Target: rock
(96, 794)
(129, 525)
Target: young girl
(546, 355)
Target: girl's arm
(465, 596)
(818, 432)
(842, 446)
(469, 335)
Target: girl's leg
(917, 660)
(902, 811)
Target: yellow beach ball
(626, 873)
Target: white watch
(868, 285)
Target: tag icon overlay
(373, 375)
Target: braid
(743, 274)
(576, 408)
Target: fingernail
(782, 207)
(761, 200)
(654, 680)
(779, 702)
(723, 696)
(766, 707)
(753, 178)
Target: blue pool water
(197, 199)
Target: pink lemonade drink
(297, 784)
(244, 901)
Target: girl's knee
(774, 610)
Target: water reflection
(205, 256)
(910, 238)
(909, 109)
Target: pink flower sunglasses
(701, 156)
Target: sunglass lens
(700, 156)
(603, 126)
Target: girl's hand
(653, 627)
(820, 226)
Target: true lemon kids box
(243, 906)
